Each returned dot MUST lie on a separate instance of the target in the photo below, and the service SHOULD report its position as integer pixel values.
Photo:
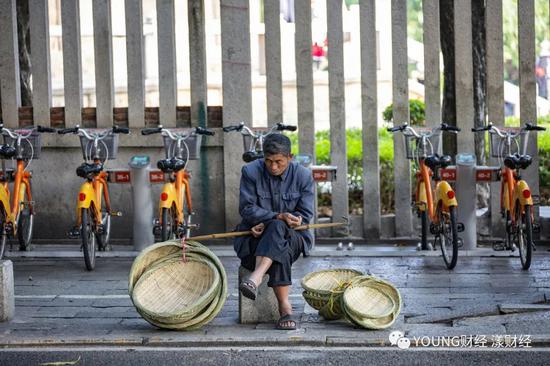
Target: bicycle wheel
(448, 236)
(103, 238)
(168, 225)
(88, 238)
(424, 221)
(3, 240)
(25, 221)
(524, 234)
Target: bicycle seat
(436, 161)
(7, 151)
(86, 169)
(171, 165)
(517, 161)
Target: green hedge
(385, 145)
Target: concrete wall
(55, 186)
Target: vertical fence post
(369, 112)
(528, 87)
(402, 169)
(274, 83)
(103, 53)
(135, 63)
(167, 62)
(237, 95)
(464, 78)
(304, 77)
(337, 111)
(495, 95)
(40, 60)
(432, 82)
(72, 61)
(9, 64)
(197, 62)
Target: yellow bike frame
(173, 194)
(513, 191)
(443, 193)
(21, 189)
(89, 196)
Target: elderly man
(276, 196)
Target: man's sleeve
(304, 207)
(251, 213)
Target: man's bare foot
(285, 310)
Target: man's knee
(276, 225)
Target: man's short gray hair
(277, 143)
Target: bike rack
(466, 175)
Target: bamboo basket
(172, 294)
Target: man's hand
(258, 230)
(291, 220)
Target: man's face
(277, 163)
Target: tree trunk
(24, 42)
(480, 90)
(448, 110)
(480, 70)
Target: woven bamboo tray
(173, 294)
(318, 286)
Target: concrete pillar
(7, 298)
(337, 112)
(103, 54)
(464, 76)
(369, 103)
(432, 82)
(495, 97)
(9, 65)
(265, 309)
(400, 79)
(72, 64)
(304, 77)
(135, 63)
(528, 87)
(197, 62)
(237, 96)
(274, 83)
(40, 60)
(167, 62)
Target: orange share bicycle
(181, 145)
(438, 206)
(93, 219)
(516, 201)
(17, 217)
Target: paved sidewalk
(59, 303)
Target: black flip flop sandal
(248, 289)
(285, 319)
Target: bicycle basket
(193, 143)
(498, 144)
(107, 148)
(413, 146)
(30, 147)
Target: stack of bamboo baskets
(177, 287)
(364, 300)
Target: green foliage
(385, 149)
(417, 113)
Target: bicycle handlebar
(283, 127)
(151, 131)
(484, 128)
(124, 130)
(530, 127)
(65, 131)
(397, 128)
(42, 129)
(446, 127)
(233, 128)
(204, 131)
